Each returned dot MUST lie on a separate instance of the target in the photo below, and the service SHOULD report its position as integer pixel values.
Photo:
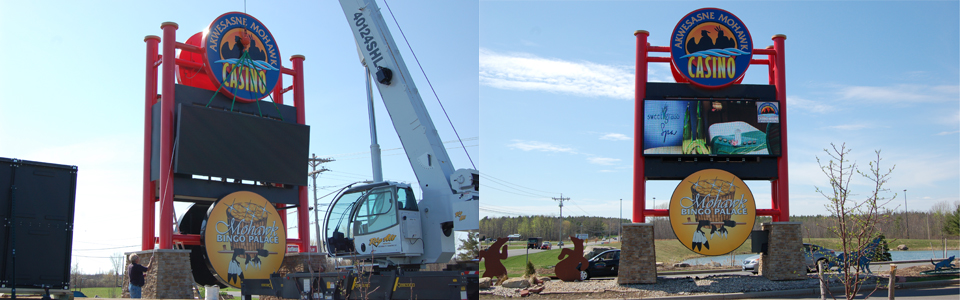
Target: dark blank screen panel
(39, 198)
(220, 143)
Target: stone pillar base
(301, 262)
(638, 255)
(784, 257)
(170, 276)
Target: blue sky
(556, 94)
(73, 85)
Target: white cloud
(900, 93)
(949, 132)
(531, 73)
(603, 160)
(809, 105)
(851, 126)
(539, 146)
(615, 137)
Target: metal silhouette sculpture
(569, 268)
(492, 257)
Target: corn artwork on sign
(712, 212)
(244, 238)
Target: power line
(119, 247)
(505, 191)
(488, 176)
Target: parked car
(560, 244)
(606, 263)
(752, 264)
(813, 254)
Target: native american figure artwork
(571, 261)
(492, 257)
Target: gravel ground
(609, 289)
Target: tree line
(937, 223)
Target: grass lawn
(668, 251)
(103, 292)
(913, 244)
(672, 251)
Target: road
(515, 252)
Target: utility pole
(314, 173)
(906, 213)
(561, 199)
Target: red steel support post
(150, 97)
(166, 134)
(278, 99)
(640, 92)
(278, 90)
(783, 182)
(303, 219)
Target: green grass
(913, 244)
(672, 251)
(103, 292)
(668, 251)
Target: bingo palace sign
(711, 48)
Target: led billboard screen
(711, 128)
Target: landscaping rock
(536, 290)
(543, 279)
(516, 283)
(902, 247)
(485, 282)
(524, 293)
(659, 264)
(681, 265)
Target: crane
(382, 223)
(383, 219)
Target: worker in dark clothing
(135, 271)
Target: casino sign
(241, 57)
(244, 238)
(710, 48)
(712, 212)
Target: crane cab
(375, 220)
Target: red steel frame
(168, 61)
(780, 210)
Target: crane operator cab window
(406, 200)
(377, 211)
(339, 229)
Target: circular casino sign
(241, 57)
(712, 212)
(244, 238)
(710, 48)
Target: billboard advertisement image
(711, 128)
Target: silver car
(752, 264)
(813, 254)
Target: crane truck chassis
(378, 283)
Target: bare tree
(118, 260)
(857, 219)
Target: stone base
(169, 277)
(784, 257)
(638, 254)
(302, 262)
